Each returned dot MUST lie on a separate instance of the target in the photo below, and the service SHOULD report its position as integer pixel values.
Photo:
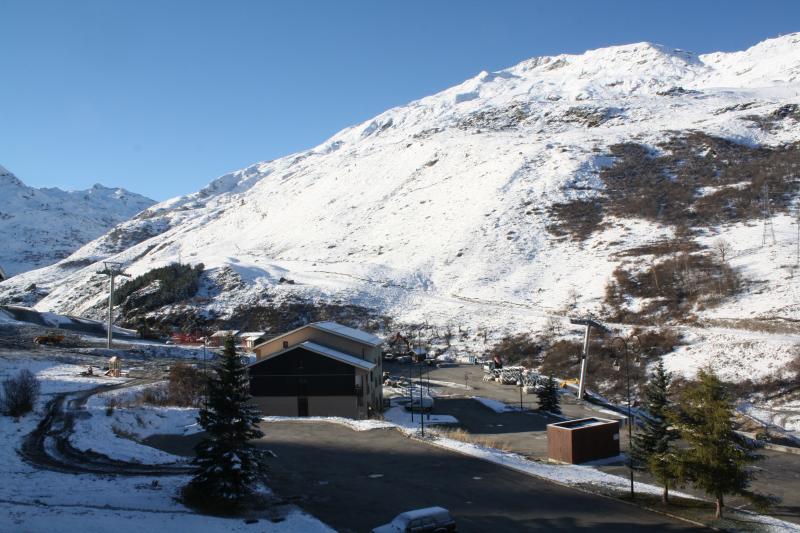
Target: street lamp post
(624, 346)
(414, 359)
(205, 364)
(411, 387)
(421, 402)
(428, 376)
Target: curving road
(48, 445)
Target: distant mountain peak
(42, 226)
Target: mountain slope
(443, 210)
(40, 227)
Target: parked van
(428, 520)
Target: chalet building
(321, 369)
(218, 338)
(251, 339)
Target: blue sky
(161, 97)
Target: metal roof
(350, 333)
(336, 329)
(252, 334)
(226, 332)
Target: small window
(285, 344)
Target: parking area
(525, 433)
(522, 432)
(467, 380)
(356, 480)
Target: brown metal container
(582, 440)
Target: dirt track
(48, 445)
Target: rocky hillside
(602, 182)
(40, 227)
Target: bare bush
(578, 218)
(185, 388)
(794, 365)
(723, 248)
(186, 385)
(111, 404)
(552, 329)
(518, 349)
(696, 181)
(671, 288)
(20, 393)
(462, 435)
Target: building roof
(337, 329)
(428, 511)
(252, 334)
(225, 333)
(583, 423)
(351, 333)
(326, 352)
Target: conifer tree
(716, 458)
(652, 446)
(227, 464)
(548, 397)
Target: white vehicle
(421, 404)
(428, 520)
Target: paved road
(523, 432)
(357, 480)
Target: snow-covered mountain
(40, 227)
(443, 210)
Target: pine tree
(716, 458)
(227, 464)
(548, 397)
(652, 446)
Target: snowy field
(34, 500)
(55, 377)
(115, 435)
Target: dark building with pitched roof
(321, 369)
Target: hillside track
(48, 446)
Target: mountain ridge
(444, 208)
(44, 225)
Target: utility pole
(589, 323)
(421, 403)
(624, 346)
(112, 269)
(797, 222)
(769, 230)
